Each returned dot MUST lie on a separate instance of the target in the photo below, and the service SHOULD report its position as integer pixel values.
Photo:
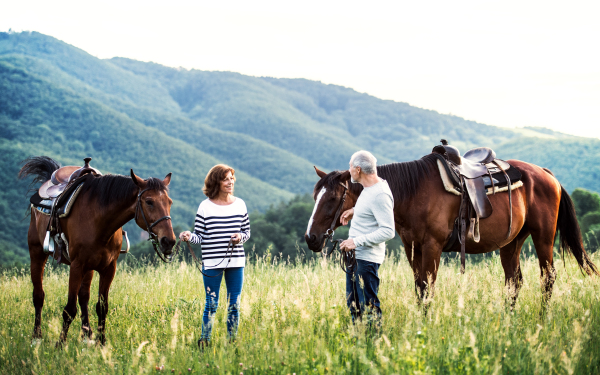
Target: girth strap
(509, 199)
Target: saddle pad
(498, 188)
(45, 206)
(38, 201)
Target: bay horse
(424, 215)
(93, 231)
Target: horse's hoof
(86, 333)
(59, 345)
(37, 333)
(36, 341)
(100, 340)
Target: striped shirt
(214, 226)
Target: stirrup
(48, 244)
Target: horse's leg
(430, 263)
(38, 263)
(70, 310)
(543, 241)
(413, 253)
(510, 258)
(84, 298)
(106, 277)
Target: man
(372, 224)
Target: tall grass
(294, 320)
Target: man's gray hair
(365, 160)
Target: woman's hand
(185, 236)
(236, 238)
(346, 216)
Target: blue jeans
(234, 280)
(361, 292)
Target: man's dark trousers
(361, 292)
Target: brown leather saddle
(472, 173)
(53, 196)
(63, 177)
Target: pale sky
(504, 63)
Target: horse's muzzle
(314, 243)
(166, 245)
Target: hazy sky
(505, 63)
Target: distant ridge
(57, 100)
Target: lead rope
(198, 263)
(347, 258)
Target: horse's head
(329, 192)
(152, 211)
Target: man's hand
(346, 216)
(348, 245)
(236, 238)
(185, 236)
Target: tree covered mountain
(58, 100)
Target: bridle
(330, 232)
(348, 258)
(152, 237)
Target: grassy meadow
(294, 320)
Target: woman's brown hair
(212, 182)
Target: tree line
(278, 233)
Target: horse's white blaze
(315, 210)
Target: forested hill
(58, 100)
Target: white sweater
(373, 222)
(213, 228)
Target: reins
(198, 262)
(347, 258)
(152, 237)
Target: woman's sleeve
(199, 228)
(245, 230)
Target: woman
(221, 218)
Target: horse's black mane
(404, 179)
(112, 187)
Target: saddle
(475, 175)
(63, 177)
(55, 198)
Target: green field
(294, 320)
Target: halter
(151, 235)
(348, 258)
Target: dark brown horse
(93, 231)
(424, 216)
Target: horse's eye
(150, 203)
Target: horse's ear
(167, 180)
(345, 176)
(320, 173)
(136, 180)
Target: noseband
(152, 237)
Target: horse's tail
(40, 167)
(570, 234)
